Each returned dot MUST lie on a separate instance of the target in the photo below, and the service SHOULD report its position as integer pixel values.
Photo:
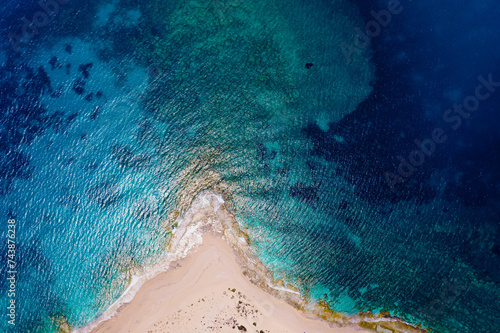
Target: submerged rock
(308, 194)
(125, 157)
(79, 86)
(54, 63)
(68, 49)
(103, 194)
(84, 69)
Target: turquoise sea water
(116, 114)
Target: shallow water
(116, 114)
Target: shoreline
(208, 218)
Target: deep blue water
(114, 115)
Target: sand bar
(209, 281)
(208, 292)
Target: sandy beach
(208, 292)
(210, 282)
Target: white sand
(210, 282)
(207, 292)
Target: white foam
(284, 289)
(186, 237)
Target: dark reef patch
(307, 194)
(84, 69)
(104, 194)
(54, 63)
(23, 117)
(125, 157)
(79, 86)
